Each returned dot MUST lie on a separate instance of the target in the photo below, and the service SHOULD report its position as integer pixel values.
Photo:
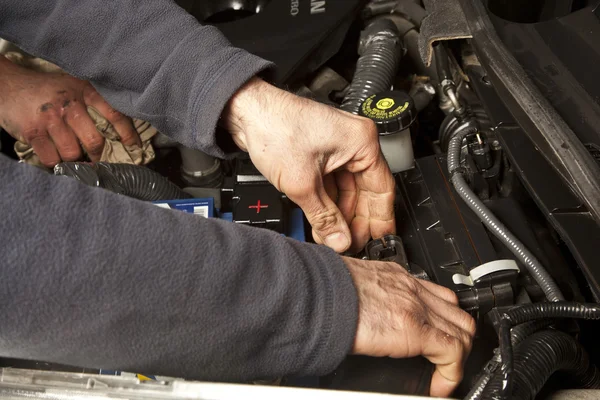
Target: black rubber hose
(538, 357)
(130, 180)
(409, 8)
(530, 312)
(409, 33)
(380, 49)
(450, 124)
(491, 222)
(517, 335)
(521, 332)
(442, 63)
(412, 10)
(374, 9)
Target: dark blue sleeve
(149, 58)
(94, 279)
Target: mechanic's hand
(401, 316)
(325, 160)
(48, 111)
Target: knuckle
(470, 325)
(450, 295)
(90, 94)
(469, 341)
(32, 135)
(325, 220)
(303, 190)
(368, 127)
(116, 116)
(457, 345)
(95, 145)
(412, 285)
(451, 343)
(415, 312)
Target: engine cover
(297, 35)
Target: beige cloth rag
(114, 150)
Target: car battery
(250, 200)
(202, 207)
(259, 205)
(255, 201)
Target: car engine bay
(483, 207)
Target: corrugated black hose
(537, 358)
(531, 312)
(380, 52)
(130, 180)
(518, 334)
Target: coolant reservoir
(393, 113)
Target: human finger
(440, 291)
(447, 353)
(322, 213)
(451, 314)
(43, 146)
(122, 124)
(65, 140)
(444, 324)
(347, 194)
(80, 122)
(332, 192)
(376, 184)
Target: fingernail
(337, 241)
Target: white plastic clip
(483, 270)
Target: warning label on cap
(385, 108)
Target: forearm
(151, 61)
(94, 279)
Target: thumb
(324, 216)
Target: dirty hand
(48, 111)
(400, 316)
(325, 160)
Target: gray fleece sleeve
(93, 279)
(149, 59)
(90, 278)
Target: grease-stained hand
(48, 111)
(400, 316)
(325, 160)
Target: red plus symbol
(258, 207)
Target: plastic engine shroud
(299, 36)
